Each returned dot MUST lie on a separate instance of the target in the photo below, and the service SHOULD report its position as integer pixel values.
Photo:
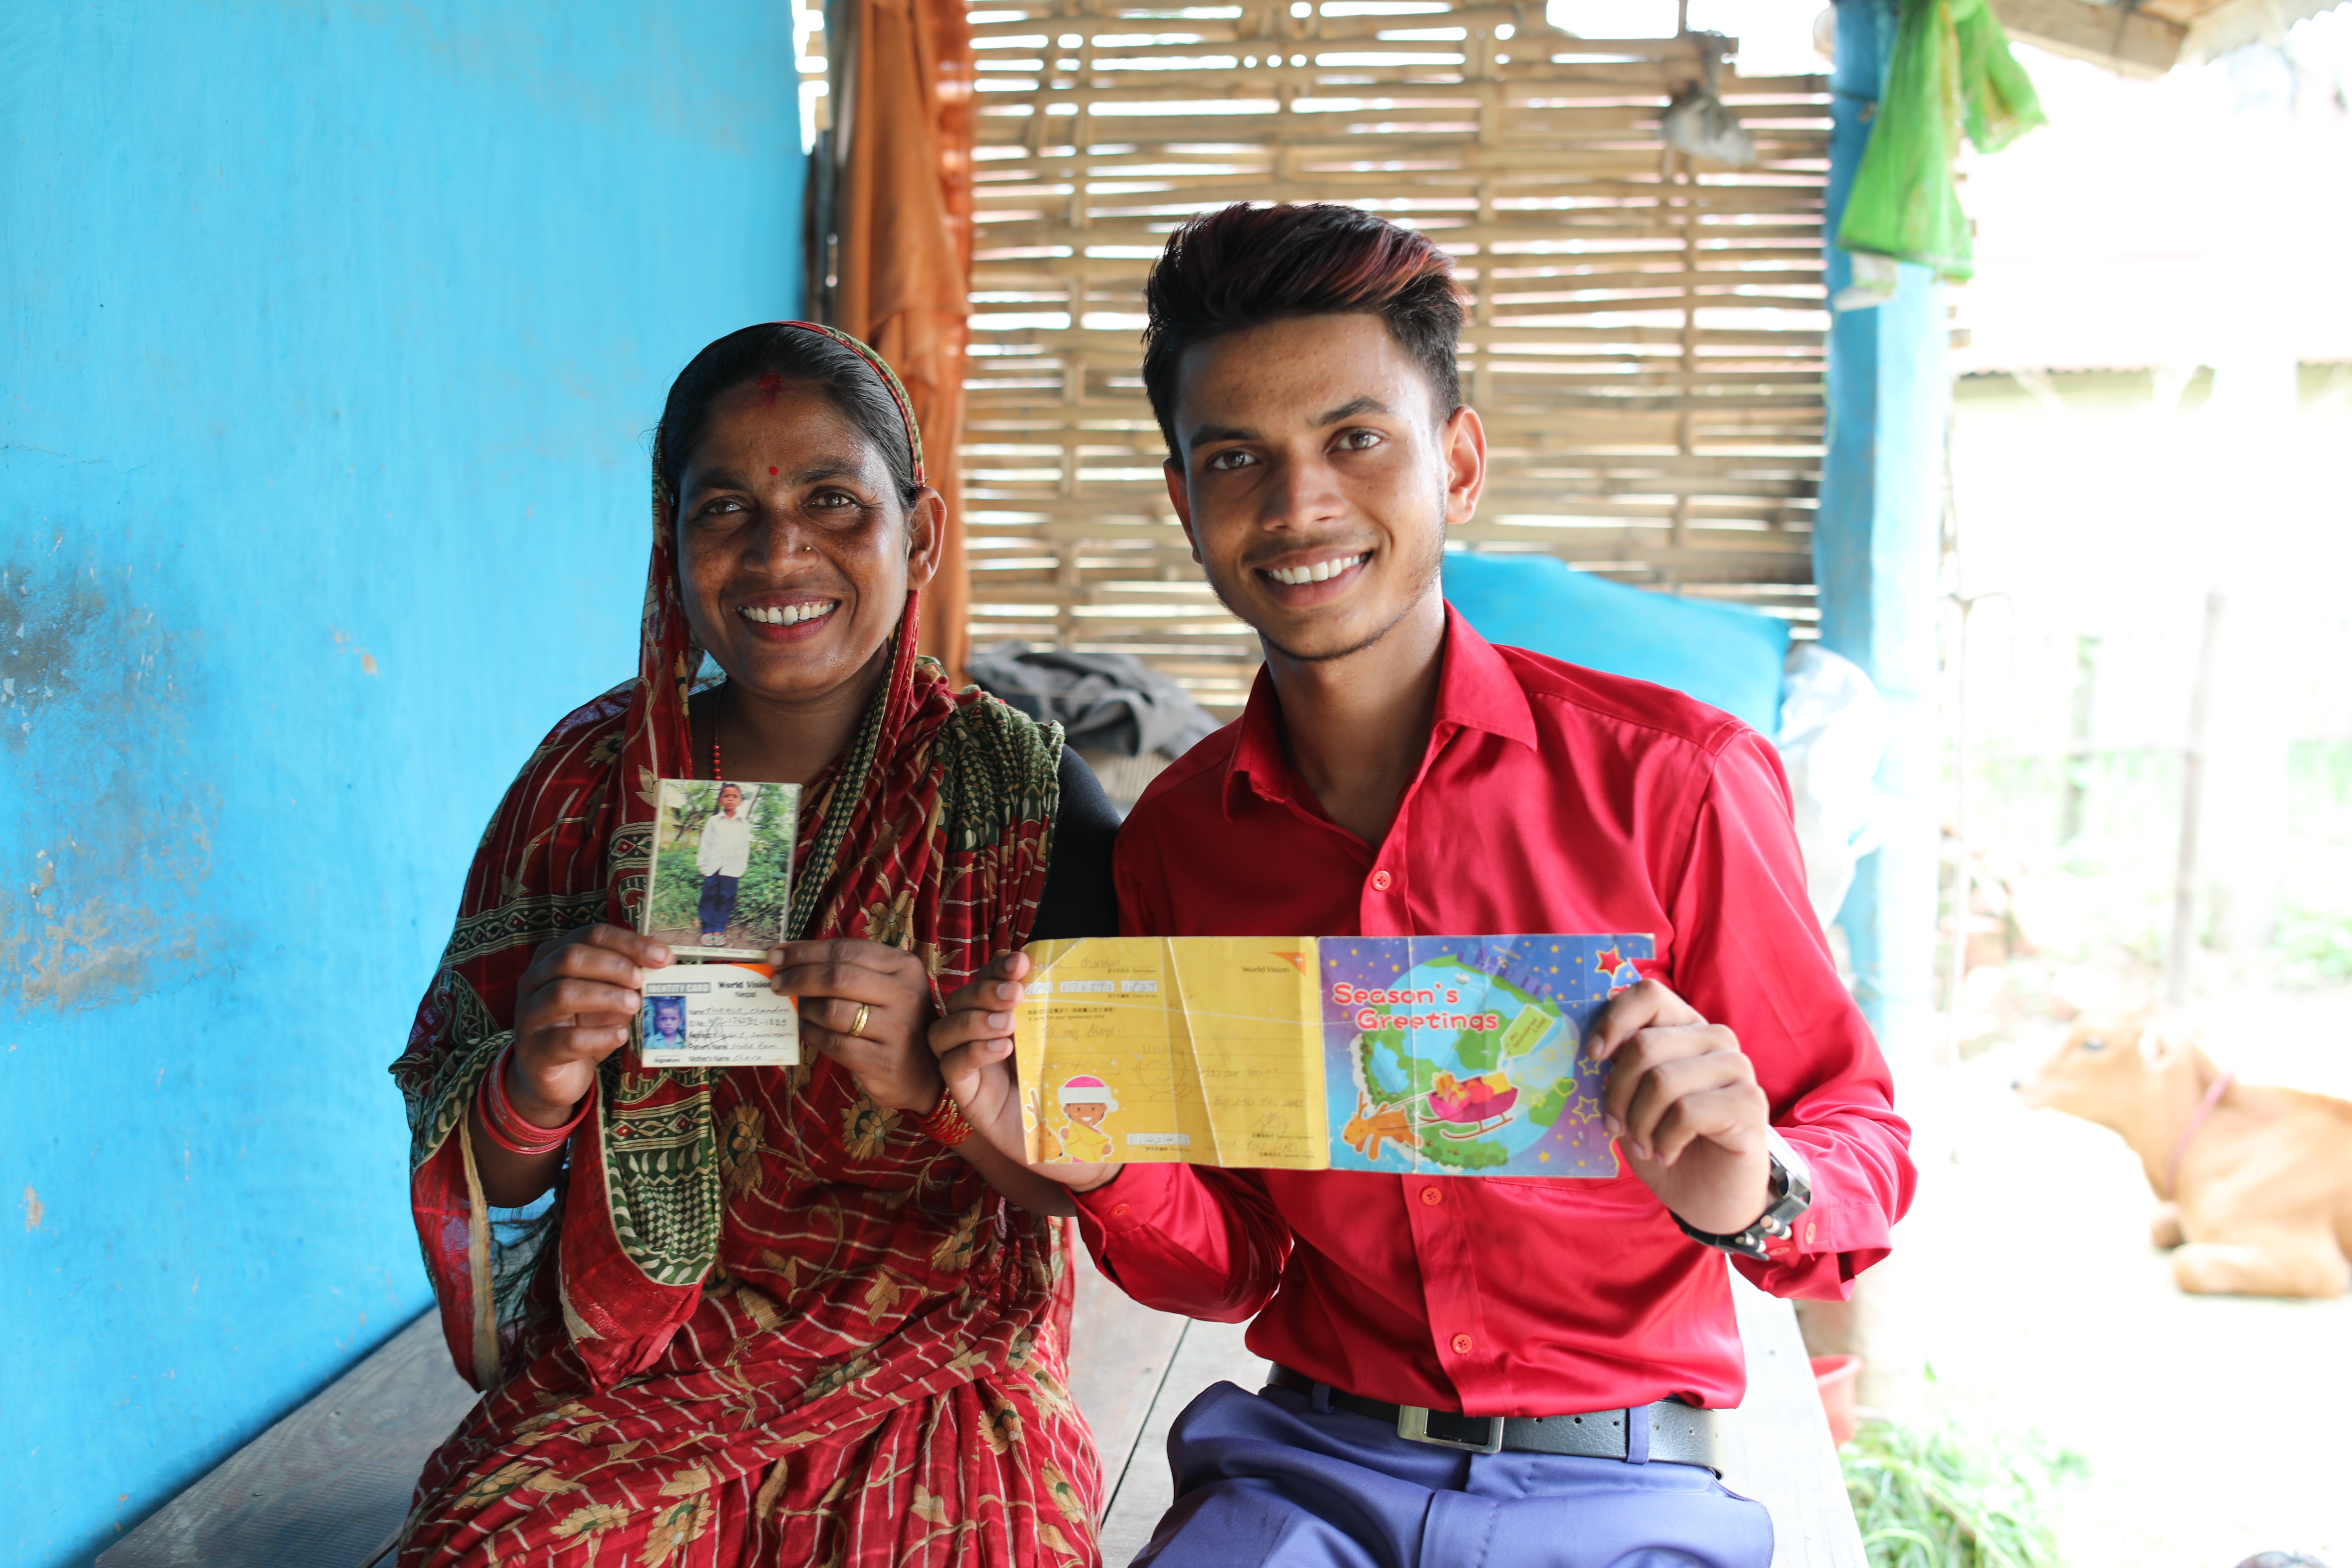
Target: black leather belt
(1679, 1434)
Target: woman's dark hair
(773, 350)
(1243, 267)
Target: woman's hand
(973, 1041)
(573, 1008)
(887, 1053)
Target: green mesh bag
(1951, 75)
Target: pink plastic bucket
(1835, 1376)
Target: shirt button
(1808, 1233)
(1432, 1196)
(1462, 1344)
(1380, 880)
(1118, 1210)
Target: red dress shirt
(1552, 798)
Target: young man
(1496, 1370)
(720, 859)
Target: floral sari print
(762, 1321)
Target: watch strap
(1789, 1186)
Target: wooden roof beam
(2132, 43)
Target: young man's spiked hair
(1244, 267)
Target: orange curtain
(904, 262)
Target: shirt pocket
(1623, 1193)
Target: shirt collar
(1475, 690)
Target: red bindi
(772, 472)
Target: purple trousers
(1268, 1479)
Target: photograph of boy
(665, 1022)
(720, 860)
(722, 867)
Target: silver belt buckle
(1412, 1425)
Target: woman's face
(793, 552)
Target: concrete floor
(2214, 1427)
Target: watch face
(1795, 1185)
(1801, 1175)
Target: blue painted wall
(332, 334)
(1875, 555)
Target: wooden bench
(326, 1488)
(329, 1485)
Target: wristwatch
(1791, 1189)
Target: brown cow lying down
(2254, 1184)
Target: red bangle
(945, 1123)
(506, 1126)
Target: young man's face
(1316, 481)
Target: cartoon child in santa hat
(1085, 1100)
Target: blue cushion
(1725, 656)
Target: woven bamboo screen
(1646, 346)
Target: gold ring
(857, 1025)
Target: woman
(771, 1315)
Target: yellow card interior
(1128, 1052)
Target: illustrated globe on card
(1479, 1074)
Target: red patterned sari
(763, 1322)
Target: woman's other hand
(573, 1008)
(884, 1049)
(973, 1041)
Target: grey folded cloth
(1104, 701)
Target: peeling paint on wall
(95, 709)
(69, 948)
(97, 957)
(32, 1209)
(41, 639)
(343, 643)
(70, 651)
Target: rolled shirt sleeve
(1182, 1238)
(1751, 956)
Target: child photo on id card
(722, 867)
(664, 1024)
